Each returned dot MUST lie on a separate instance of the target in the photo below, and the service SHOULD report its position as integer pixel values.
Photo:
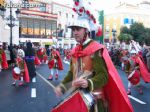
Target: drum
(79, 101)
(134, 77)
(17, 70)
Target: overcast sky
(102, 4)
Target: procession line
(33, 93)
(136, 99)
(46, 80)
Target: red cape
(60, 64)
(26, 74)
(4, 61)
(114, 90)
(143, 70)
(26, 77)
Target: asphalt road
(38, 96)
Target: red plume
(81, 9)
(76, 3)
(87, 12)
(94, 21)
(74, 9)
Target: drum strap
(80, 68)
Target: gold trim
(92, 85)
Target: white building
(65, 16)
(5, 29)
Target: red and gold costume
(24, 71)
(143, 69)
(111, 88)
(55, 60)
(41, 53)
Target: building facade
(125, 15)
(65, 17)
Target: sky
(102, 4)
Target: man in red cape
(91, 59)
(41, 53)
(24, 74)
(55, 63)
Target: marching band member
(132, 71)
(55, 63)
(42, 54)
(104, 83)
(20, 72)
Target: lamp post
(11, 20)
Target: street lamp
(11, 20)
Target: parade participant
(20, 72)
(105, 83)
(36, 60)
(42, 54)
(132, 71)
(145, 74)
(29, 58)
(67, 56)
(3, 60)
(91, 68)
(54, 63)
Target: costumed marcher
(36, 60)
(20, 72)
(145, 74)
(91, 68)
(3, 60)
(29, 58)
(41, 53)
(54, 63)
(67, 54)
(132, 71)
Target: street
(39, 96)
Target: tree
(137, 30)
(125, 37)
(147, 36)
(124, 29)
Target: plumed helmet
(133, 51)
(80, 22)
(21, 53)
(54, 46)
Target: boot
(129, 92)
(56, 76)
(50, 77)
(140, 91)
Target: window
(42, 32)
(59, 13)
(30, 27)
(24, 26)
(36, 27)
